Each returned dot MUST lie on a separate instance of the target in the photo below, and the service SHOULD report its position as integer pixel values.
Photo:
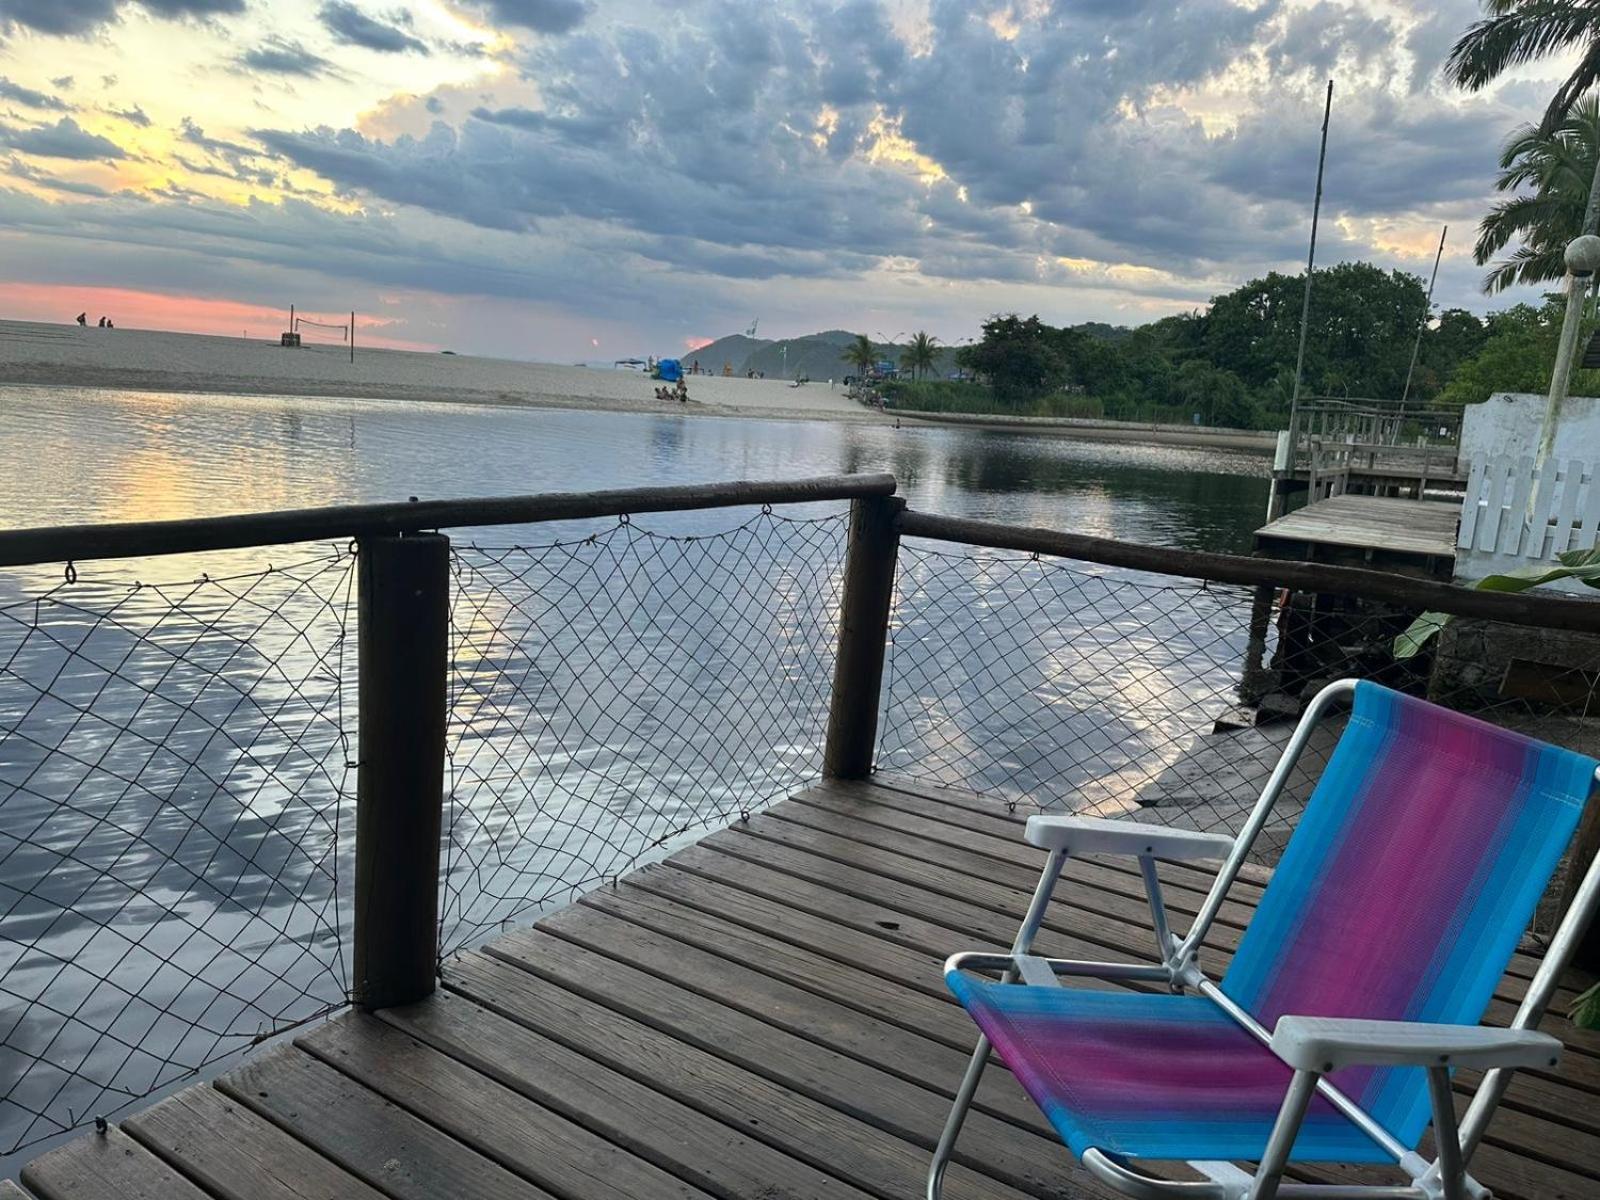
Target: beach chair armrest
(1097, 835)
(1324, 1044)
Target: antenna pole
(1305, 304)
(1426, 313)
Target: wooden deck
(1413, 536)
(760, 1016)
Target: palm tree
(1515, 32)
(920, 354)
(860, 354)
(1558, 167)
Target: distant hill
(821, 355)
(816, 355)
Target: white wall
(1508, 423)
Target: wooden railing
(404, 587)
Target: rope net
(1060, 685)
(174, 766)
(177, 776)
(613, 693)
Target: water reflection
(174, 761)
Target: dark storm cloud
(133, 116)
(541, 16)
(280, 56)
(67, 18)
(30, 97)
(193, 8)
(738, 144)
(196, 136)
(65, 139)
(734, 153)
(21, 170)
(349, 25)
(71, 18)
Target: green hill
(821, 355)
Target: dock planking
(1363, 530)
(760, 1015)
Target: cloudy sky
(590, 179)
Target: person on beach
(83, 319)
(102, 324)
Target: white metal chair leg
(1026, 932)
(957, 1117)
(1269, 1172)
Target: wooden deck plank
(952, 821)
(380, 1143)
(1029, 1159)
(722, 1158)
(949, 893)
(235, 1154)
(105, 1166)
(879, 1162)
(1421, 527)
(498, 1122)
(1581, 1155)
(762, 1016)
(1511, 1173)
(821, 1018)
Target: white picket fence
(1513, 515)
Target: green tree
(860, 354)
(1362, 327)
(1558, 167)
(1516, 356)
(1020, 358)
(920, 355)
(1516, 32)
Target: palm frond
(1518, 34)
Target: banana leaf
(1582, 565)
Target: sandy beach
(146, 361)
(149, 361)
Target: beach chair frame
(1311, 1047)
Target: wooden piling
(404, 591)
(863, 636)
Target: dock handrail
(481, 666)
(139, 539)
(1522, 608)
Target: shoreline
(1103, 430)
(34, 354)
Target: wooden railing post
(404, 597)
(863, 636)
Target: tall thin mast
(1311, 264)
(1426, 313)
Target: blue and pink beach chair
(1356, 990)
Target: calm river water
(81, 455)
(176, 757)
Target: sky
(586, 180)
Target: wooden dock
(1413, 537)
(760, 1016)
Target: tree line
(1233, 363)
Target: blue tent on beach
(669, 370)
